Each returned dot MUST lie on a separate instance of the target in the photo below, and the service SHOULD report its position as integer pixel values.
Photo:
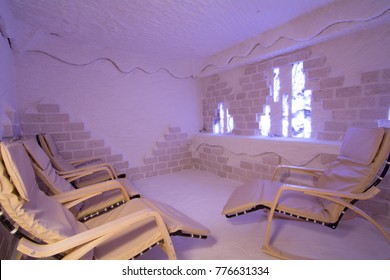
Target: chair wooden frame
(88, 167)
(174, 222)
(74, 197)
(80, 172)
(78, 245)
(330, 195)
(334, 196)
(347, 179)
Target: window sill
(295, 150)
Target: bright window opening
(300, 103)
(285, 114)
(265, 121)
(223, 121)
(276, 85)
(229, 122)
(293, 110)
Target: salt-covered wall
(128, 110)
(8, 102)
(349, 79)
(147, 117)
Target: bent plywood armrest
(78, 245)
(77, 162)
(370, 193)
(311, 171)
(69, 199)
(75, 174)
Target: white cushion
(47, 173)
(19, 168)
(361, 144)
(36, 153)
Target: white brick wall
(71, 138)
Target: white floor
(202, 196)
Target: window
(285, 114)
(229, 122)
(223, 121)
(276, 85)
(265, 121)
(291, 118)
(300, 103)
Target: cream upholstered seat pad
(263, 192)
(355, 167)
(362, 144)
(125, 245)
(28, 206)
(362, 155)
(47, 173)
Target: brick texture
(71, 138)
(171, 154)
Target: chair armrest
(311, 171)
(335, 196)
(330, 193)
(69, 199)
(77, 162)
(78, 245)
(75, 174)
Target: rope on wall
(257, 45)
(112, 62)
(230, 60)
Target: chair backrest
(44, 169)
(362, 155)
(38, 214)
(47, 143)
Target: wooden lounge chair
(49, 229)
(113, 197)
(81, 172)
(57, 184)
(351, 177)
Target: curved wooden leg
(278, 253)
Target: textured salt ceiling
(175, 29)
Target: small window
(276, 85)
(223, 121)
(229, 122)
(265, 121)
(300, 103)
(285, 114)
(295, 107)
